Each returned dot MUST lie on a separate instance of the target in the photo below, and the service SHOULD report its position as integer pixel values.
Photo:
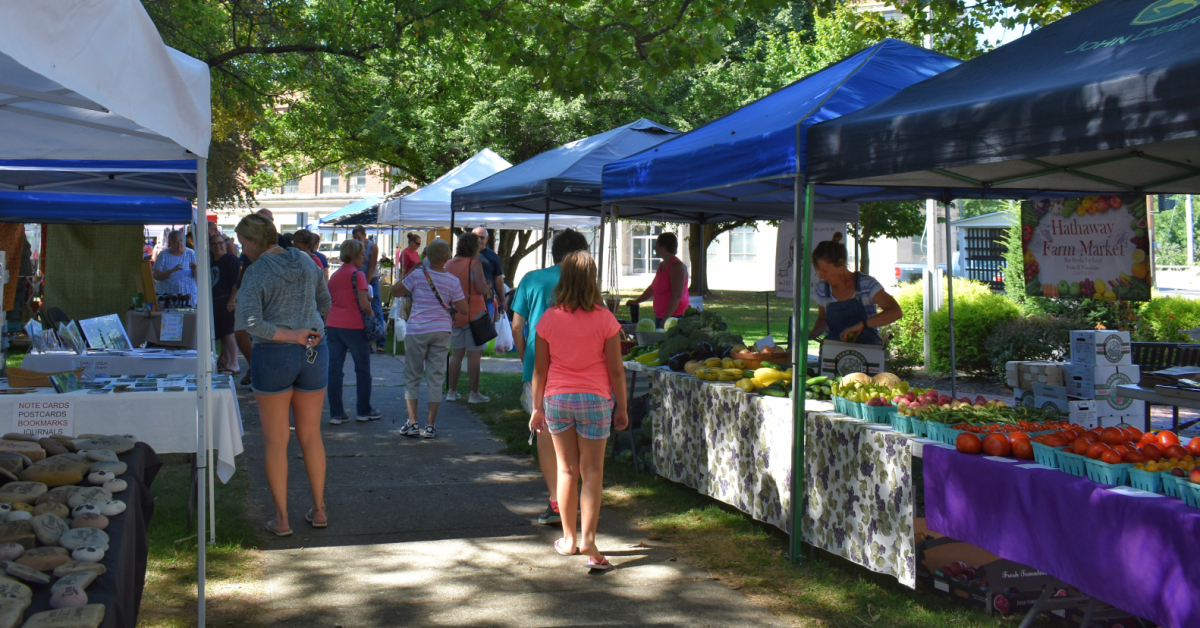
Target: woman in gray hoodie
(280, 304)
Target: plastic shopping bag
(504, 337)
(401, 328)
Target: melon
(645, 325)
(886, 379)
(861, 378)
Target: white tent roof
(430, 205)
(65, 67)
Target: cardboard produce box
(1101, 347)
(842, 358)
(1023, 397)
(1024, 375)
(1088, 381)
(1050, 396)
(1083, 413)
(1112, 413)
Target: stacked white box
(1101, 347)
(1101, 360)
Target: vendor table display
(146, 327)
(1130, 549)
(160, 416)
(737, 448)
(134, 363)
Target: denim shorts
(278, 367)
(589, 414)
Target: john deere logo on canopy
(1164, 10)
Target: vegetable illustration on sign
(1094, 247)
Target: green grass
(13, 358)
(235, 583)
(743, 553)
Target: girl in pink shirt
(578, 377)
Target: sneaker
(412, 430)
(338, 420)
(373, 415)
(551, 516)
(452, 395)
(479, 398)
(430, 432)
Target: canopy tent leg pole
(546, 233)
(799, 348)
(203, 390)
(612, 255)
(767, 298)
(950, 303)
(600, 251)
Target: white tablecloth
(164, 420)
(58, 362)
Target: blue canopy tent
(750, 164)
(91, 176)
(563, 180)
(361, 212)
(54, 208)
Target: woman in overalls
(851, 305)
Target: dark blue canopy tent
(749, 165)
(54, 208)
(90, 176)
(1105, 100)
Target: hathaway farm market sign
(1095, 247)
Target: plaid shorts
(589, 414)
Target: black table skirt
(120, 588)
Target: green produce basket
(855, 409)
(948, 435)
(932, 428)
(901, 423)
(1171, 484)
(1071, 463)
(876, 414)
(839, 405)
(1101, 472)
(918, 425)
(1145, 480)
(1045, 455)
(1190, 492)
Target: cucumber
(770, 365)
(813, 381)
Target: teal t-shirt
(533, 298)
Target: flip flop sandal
(309, 518)
(271, 529)
(603, 565)
(559, 548)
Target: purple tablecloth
(1135, 553)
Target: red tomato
(1121, 449)
(1022, 449)
(1018, 435)
(1166, 438)
(1148, 437)
(1133, 455)
(1151, 452)
(1111, 457)
(1134, 433)
(1091, 437)
(1175, 452)
(1096, 430)
(968, 443)
(1081, 445)
(1096, 449)
(1056, 440)
(997, 445)
(1112, 436)
(1193, 446)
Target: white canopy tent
(92, 101)
(429, 207)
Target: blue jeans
(355, 342)
(377, 307)
(278, 367)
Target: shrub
(906, 345)
(1163, 318)
(1090, 314)
(977, 313)
(1037, 338)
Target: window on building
(292, 186)
(919, 249)
(741, 244)
(358, 182)
(330, 182)
(644, 260)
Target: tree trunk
(864, 256)
(512, 247)
(697, 252)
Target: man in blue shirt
(533, 298)
(493, 272)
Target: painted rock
(44, 558)
(89, 616)
(112, 507)
(28, 574)
(11, 551)
(100, 477)
(117, 468)
(115, 444)
(84, 509)
(52, 446)
(115, 485)
(26, 507)
(21, 492)
(19, 436)
(48, 527)
(19, 532)
(77, 566)
(90, 520)
(89, 495)
(76, 538)
(12, 612)
(97, 455)
(88, 554)
(79, 579)
(13, 590)
(68, 597)
(18, 515)
(53, 508)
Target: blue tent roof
(564, 179)
(1104, 100)
(89, 176)
(744, 163)
(56, 208)
(351, 209)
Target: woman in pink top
(578, 377)
(345, 331)
(409, 258)
(670, 286)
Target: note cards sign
(44, 418)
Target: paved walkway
(444, 533)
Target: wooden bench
(1156, 356)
